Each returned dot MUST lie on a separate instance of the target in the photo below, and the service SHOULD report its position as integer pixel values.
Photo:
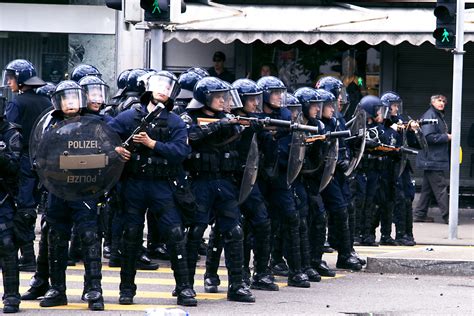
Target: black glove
(256, 126)
(343, 165)
(24, 222)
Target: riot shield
(76, 159)
(330, 163)
(420, 137)
(37, 132)
(358, 130)
(250, 170)
(296, 154)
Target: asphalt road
(349, 293)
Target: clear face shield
(233, 102)
(277, 97)
(217, 100)
(386, 113)
(161, 85)
(315, 110)
(69, 101)
(379, 115)
(396, 108)
(342, 101)
(97, 96)
(253, 103)
(329, 110)
(8, 78)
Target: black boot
(11, 275)
(39, 283)
(213, 257)
(57, 246)
(179, 264)
(132, 239)
(369, 226)
(344, 258)
(193, 241)
(312, 274)
(291, 236)
(145, 263)
(278, 265)
(262, 280)
(317, 236)
(27, 262)
(362, 261)
(93, 270)
(233, 250)
(115, 258)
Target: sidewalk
(438, 254)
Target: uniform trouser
(156, 196)
(335, 197)
(41, 276)
(9, 255)
(436, 183)
(385, 201)
(316, 218)
(403, 212)
(61, 216)
(217, 198)
(256, 214)
(365, 188)
(282, 204)
(28, 198)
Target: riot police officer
(10, 147)
(273, 181)
(154, 161)
(404, 187)
(212, 164)
(367, 174)
(69, 100)
(20, 76)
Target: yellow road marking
(83, 306)
(143, 294)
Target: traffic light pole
(456, 122)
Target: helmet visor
(252, 103)
(386, 113)
(329, 109)
(342, 101)
(315, 109)
(234, 101)
(277, 97)
(97, 93)
(396, 108)
(7, 75)
(218, 100)
(163, 85)
(69, 101)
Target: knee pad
(7, 246)
(133, 233)
(89, 237)
(291, 220)
(196, 232)
(234, 234)
(56, 237)
(175, 234)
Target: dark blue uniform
(24, 110)
(61, 216)
(10, 147)
(146, 184)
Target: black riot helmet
(23, 72)
(336, 87)
(83, 70)
(309, 98)
(371, 105)
(251, 96)
(187, 80)
(200, 71)
(390, 99)
(132, 81)
(69, 97)
(47, 90)
(159, 85)
(97, 92)
(328, 100)
(274, 91)
(207, 91)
